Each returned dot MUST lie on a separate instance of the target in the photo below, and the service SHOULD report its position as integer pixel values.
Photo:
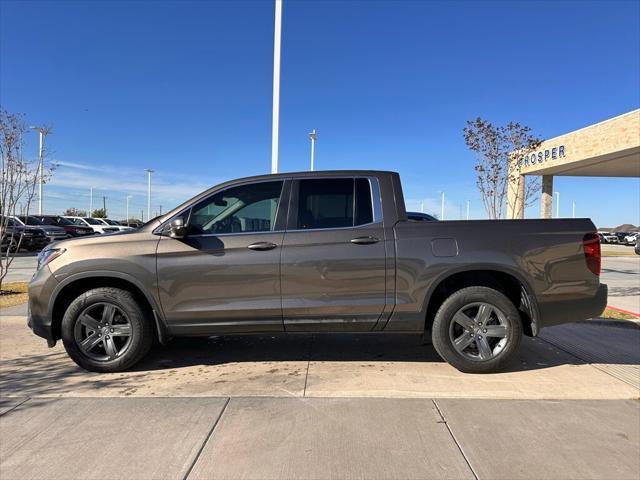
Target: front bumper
(39, 319)
(33, 243)
(556, 313)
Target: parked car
(606, 237)
(95, 225)
(315, 252)
(420, 217)
(70, 228)
(131, 224)
(621, 236)
(631, 239)
(19, 235)
(112, 223)
(53, 232)
(637, 249)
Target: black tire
(442, 329)
(139, 340)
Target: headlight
(45, 256)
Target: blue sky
(185, 88)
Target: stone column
(546, 197)
(515, 197)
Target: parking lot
(327, 406)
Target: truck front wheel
(106, 330)
(477, 330)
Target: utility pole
(149, 172)
(277, 34)
(142, 215)
(128, 198)
(43, 133)
(442, 208)
(104, 205)
(160, 209)
(312, 137)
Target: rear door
(333, 256)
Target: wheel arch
(504, 279)
(71, 287)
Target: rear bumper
(556, 313)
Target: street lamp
(127, 218)
(149, 172)
(276, 86)
(312, 137)
(43, 133)
(90, 200)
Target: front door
(225, 274)
(333, 256)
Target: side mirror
(177, 230)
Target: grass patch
(13, 293)
(618, 252)
(617, 315)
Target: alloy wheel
(479, 331)
(103, 332)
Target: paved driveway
(622, 275)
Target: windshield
(63, 221)
(31, 221)
(92, 221)
(111, 222)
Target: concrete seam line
(206, 440)
(304, 392)
(15, 406)
(455, 440)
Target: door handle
(364, 240)
(262, 246)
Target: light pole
(468, 203)
(128, 198)
(312, 137)
(421, 206)
(149, 172)
(43, 132)
(90, 200)
(573, 210)
(442, 207)
(276, 86)
(557, 204)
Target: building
(607, 149)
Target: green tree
(99, 213)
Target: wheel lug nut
(107, 337)
(112, 330)
(485, 330)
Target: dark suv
(70, 228)
(33, 238)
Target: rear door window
(334, 203)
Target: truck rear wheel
(477, 330)
(106, 330)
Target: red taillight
(591, 245)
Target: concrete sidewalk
(319, 438)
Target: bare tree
(18, 181)
(74, 212)
(495, 148)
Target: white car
(97, 226)
(113, 223)
(607, 237)
(631, 239)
